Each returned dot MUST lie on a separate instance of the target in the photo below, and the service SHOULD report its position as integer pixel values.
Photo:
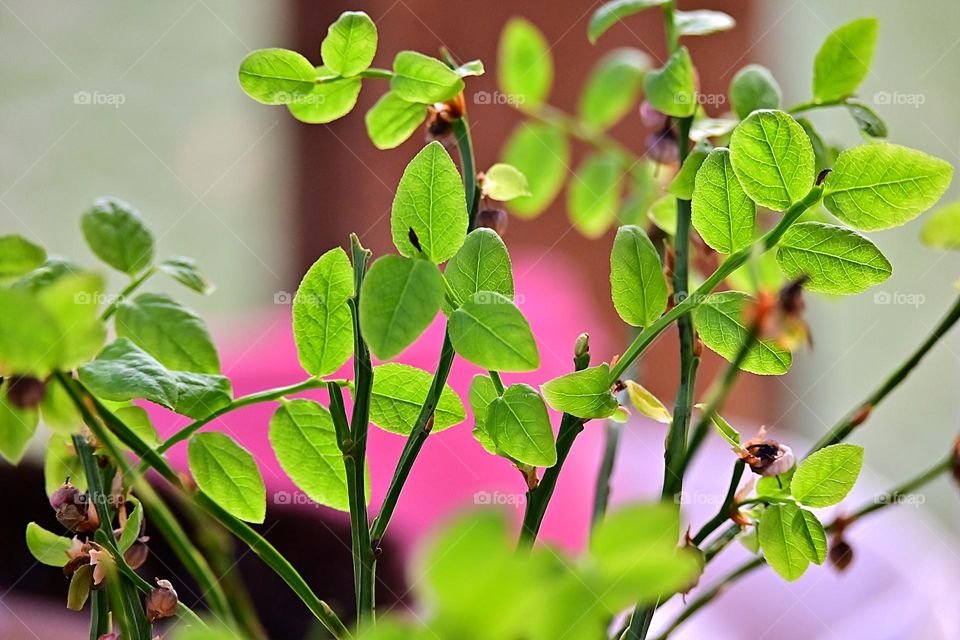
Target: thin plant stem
(723, 513)
(127, 292)
(601, 494)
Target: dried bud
(66, 494)
(841, 554)
(955, 466)
(25, 392)
(652, 118)
(80, 515)
(767, 457)
(662, 147)
(137, 554)
(161, 602)
(495, 219)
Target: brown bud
(25, 392)
(861, 416)
(841, 554)
(662, 147)
(652, 118)
(79, 516)
(66, 494)
(137, 554)
(495, 219)
(767, 457)
(955, 466)
(161, 602)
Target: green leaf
(420, 78)
(880, 185)
(429, 202)
(392, 120)
(131, 528)
(17, 427)
(726, 431)
(813, 539)
(827, 476)
(584, 394)
(276, 76)
(504, 182)
(330, 99)
(228, 474)
(722, 213)
(754, 87)
(482, 393)
(471, 68)
(525, 65)
(704, 128)
(776, 486)
(73, 300)
(489, 331)
(186, 272)
(398, 300)
(123, 371)
(867, 120)
(79, 589)
(117, 235)
(305, 442)
(843, 60)
(719, 321)
(350, 44)
(519, 426)
(613, 12)
(399, 392)
(481, 264)
(782, 546)
(824, 155)
(61, 462)
(322, 322)
(613, 87)
(541, 152)
(663, 214)
(47, 547)
(593, 198)
(702, 22)
(637, 283)
(772, 157)
(647, 403)
(138, 421)
(836, 260)
(19, 256)
(683, 183)
(29, 339)
(174, 335)
(670, 89)
(942, 228)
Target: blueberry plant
(756, 193)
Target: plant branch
(127, 292)
(723, 514)
(601, 493)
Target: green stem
(733, 262)
(497, 382)
(99, 615)
(723, 514)
(127, 292)
(461, 129)
(856, 417)
(366, 73)
(601, 494)
(807, 106)
(573, 127)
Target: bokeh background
(141, 101)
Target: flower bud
(652, 118)
(767, 457)
(79, 516)
(137, 554)
(841, 554)
(25, 392)
(113, 635)
(495, 219)
(662, 147)
(66, 494)
(955, 466)
(161, 602)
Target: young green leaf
(824, 155)
(228, 474)
(329, 99)
(867, 120)
(773, 159)
(836, 260)
(702, 22)
(398, 300)
(399, 392)
(471, 68)
(276, 76)
(132, 527)
(637, 283)
(541, 152)
(942, 228)
(429, 216)
(73, 300)
(670, 89)
(525, 69)
(593, 197)
(61, 462)
(47, 547)
(174, 335)
(809, 532)
(123, 371)
(392, 120)
(584, 394)
(827, 476)
(754, 87)
(726, 431)
(186, 272)
(420, 78)
(722, 213)
(843, 60)
(491, 332)
(613, 87)
(117, 235)
(350, 44)
(519, 426)
(17, 426)
(663, 214)
(613, 12)
(322, 322)
(504, 182)
(719, 321)
(19, 256)
(29, 339)
(481, 264)
(482, 393)
(881, 185)
(647, 403)
(782, 545)
(683, 183)
(305, 442)
(775, 486)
